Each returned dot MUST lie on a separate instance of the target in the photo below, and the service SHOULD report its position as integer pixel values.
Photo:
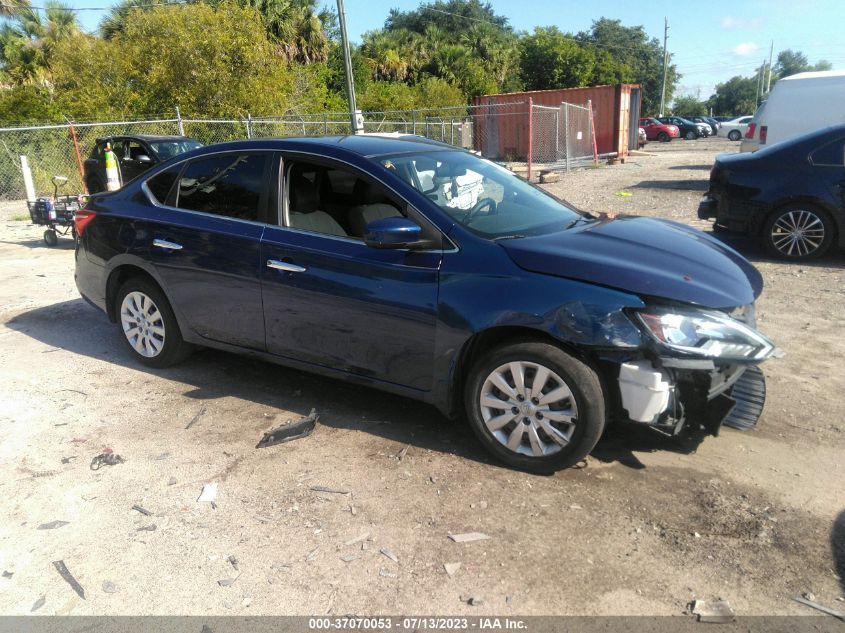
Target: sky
(710, 43)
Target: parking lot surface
(355, 518)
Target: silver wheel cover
(528, 409)
(143, 324)
(798, 233)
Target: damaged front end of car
(698, 370)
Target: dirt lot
(644, 528)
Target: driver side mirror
(144, 159)
(392, 233)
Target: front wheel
(663, 137)
(798, 232)
(734, 135)
(50, 237)
(534, 406)
(149, 325)
(691, 136)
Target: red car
(657, 131)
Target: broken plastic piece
(68, 577)
(288, 432)
(713, 611)
(469, 537)
(52, 525)
(143, 511)
(209, 493)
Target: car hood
(645, 256)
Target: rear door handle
(285, 266)
(170, 246)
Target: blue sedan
(424, 270)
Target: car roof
(148, 137)
(365, 145)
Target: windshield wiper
(575, 221)
(507, 237)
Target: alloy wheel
(528, 409)
(798, 233)
(143, 324)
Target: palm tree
(10, 8)
(295, 27)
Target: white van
(797, 104)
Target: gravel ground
(644, 528)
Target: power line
(75, 9)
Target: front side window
(232, 185)
(482, 196)
(162, 183)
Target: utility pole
(665, 64)
(769, 81)
(355, 116)
(759, 83)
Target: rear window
(232, 185)
(832, 154)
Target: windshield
(169, 149)
(480, 195)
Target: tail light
(82, 218)
(764, 132)
(749, 133)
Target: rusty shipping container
(501, 131)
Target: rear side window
(161, 184)
(232, 185)
(832, 154)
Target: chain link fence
(561, 137)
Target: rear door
(331, 300)
(829, 164)
(206, 240)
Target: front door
(331, 300)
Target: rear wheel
(50, 237)
(149, 325)
(663, 137)
(534, 406)
(734, 135)
(798, 232)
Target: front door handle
(170, 246)
(285, 266)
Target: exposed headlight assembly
(706, 334)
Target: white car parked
(735, 128)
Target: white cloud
(745, 49)
(734, 22)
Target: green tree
(734, 97)
(552, 59)
(689, 105)
(28, 104)
(631, 46)
(791, 62)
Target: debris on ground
(171, 481)
(329, 490)
(109, 586)
(290, 431)
(312, 554)
(38, 604)
(358, 539)
(195, 418)
(386, 574)
(208, 494)
(819, 607)
(64, 572)
(473, 601)
(52, 525)
(451, 568)
(162, 457)
(233, 561)
(389, 553)
(469, 537)
(143, 511)
(148, 528)
(8, 574)
(68, 460)
(228, 582)
(713, 611)
(401, 454)
(107, 458)
(349, 558)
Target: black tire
(734, 135)
(690, 135)
(663, 137)
(585, 388)
(50, 237)
(819, 232)
(174, 348)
